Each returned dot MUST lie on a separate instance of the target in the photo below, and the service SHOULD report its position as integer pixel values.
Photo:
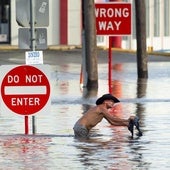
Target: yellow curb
(148, 52)
(8, 47)
(61, 47)
(70, 47)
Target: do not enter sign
(25, 90)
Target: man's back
(91, 118)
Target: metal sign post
(32, 13)
(32, 22)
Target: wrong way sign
(25, 89)
(113, 18)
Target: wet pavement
(54, 147)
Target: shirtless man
(94, 115)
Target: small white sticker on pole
(34, 57)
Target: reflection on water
(109, 148)
(141, 87)
(23, 152)
(111, 152)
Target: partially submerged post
(142, 58)
(90, 44)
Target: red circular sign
(25, 90)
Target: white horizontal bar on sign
(25, 90)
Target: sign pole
(110, 65)
(26, 125)
(28, 38)
(32, 22)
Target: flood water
(109, 148)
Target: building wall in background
(68, 31)
(54, 31)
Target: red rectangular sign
(113, 18)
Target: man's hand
(134, 121)
(131, 118)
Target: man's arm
(116, 121)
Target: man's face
(109, 103)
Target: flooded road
(109, 148)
